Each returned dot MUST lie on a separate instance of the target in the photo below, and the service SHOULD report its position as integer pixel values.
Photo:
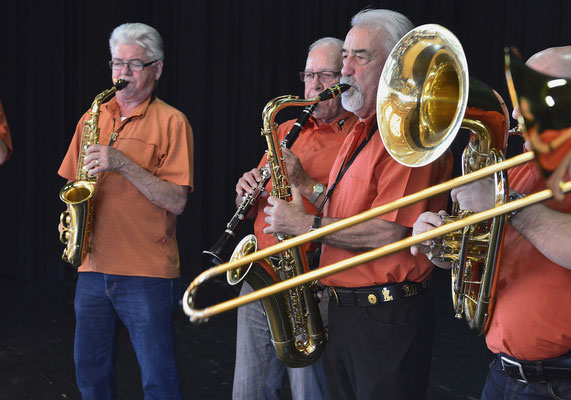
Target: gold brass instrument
(424, 98)
(217, 253)
(293, 317)
(206, 313)
(78, 195)
(543, 103)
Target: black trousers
(380, 352)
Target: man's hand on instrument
(295, 172)
(101, 158)
(427, 221)
(476, 196)
(287, 217)
(248, 182)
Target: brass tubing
(204, 314)
(337, 226)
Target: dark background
(223, 61)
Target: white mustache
(350, 81)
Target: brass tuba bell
(424, 97)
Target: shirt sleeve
(5, 131)
(177, 164)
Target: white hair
(141, 35)
(393, 24)
(326, 41)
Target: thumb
(296, 197)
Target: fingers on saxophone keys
(419, 249)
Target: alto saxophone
(78, 195)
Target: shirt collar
(362, 128)
(338, 125)
(139, 111)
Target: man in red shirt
(530, 331)
(259, 373)
(381, 314)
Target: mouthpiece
(517, 130)
(120, 83)
(333, 91)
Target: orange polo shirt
(316, 147)
(374, 179)
(5, 131)
(131, 235)
(532, 316)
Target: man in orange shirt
(381, 314)
(259, 373)
(530, 331)
(5, 139)
(131, 275)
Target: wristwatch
(316, 223)
(318, 188)
(513, 197)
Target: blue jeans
(146, 307)
(259, 373)
(500, 386)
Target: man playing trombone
(381, 314)
(530, 330)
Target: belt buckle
(505, 360)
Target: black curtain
(224, 60)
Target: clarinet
(219, 252)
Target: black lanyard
(344, 167)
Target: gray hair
(141, 35)
(393, 24)
(326, 41)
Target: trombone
(202, 315)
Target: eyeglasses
(134, 65)
(324, 76)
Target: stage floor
(36, 347)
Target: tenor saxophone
(293, 316)
(78, 195)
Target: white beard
(353, 99)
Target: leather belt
(556, 369)
(375, 295)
